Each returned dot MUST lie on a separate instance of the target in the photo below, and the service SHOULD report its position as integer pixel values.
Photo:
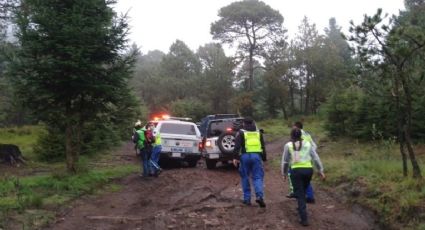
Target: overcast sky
(156, 24)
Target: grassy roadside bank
(366, 173)
(30, 195)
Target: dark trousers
(301, 178)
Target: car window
(216, 128)
(182, 129)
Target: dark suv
(218, 140)
(203, 125)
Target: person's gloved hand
(264, 156)
(236, 163)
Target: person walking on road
(306, 137)
(299, 155)
(249, 152)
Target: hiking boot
(304, 223)
(261, 202)
(146, 178)
(310, 200)
(246, 202)
(291, 195)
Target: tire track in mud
(197, 198)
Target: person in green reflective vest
(298, 155)
(140, 139)
(306, 137)
(250, 151)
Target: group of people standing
(298, 158)
(148, 147)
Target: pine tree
(71, 68)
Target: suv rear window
(216, 128)
(182, 129)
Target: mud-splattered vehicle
(218, 140)
(180, 141)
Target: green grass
(31, 200)
(50, 191)
(274, 129)
(278, 128)
(365, 173)
(33, 191)
(370, 174)
(25, 137)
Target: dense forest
(87, 85)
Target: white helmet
(138, 123)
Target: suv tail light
(200, 146)
(208, 144)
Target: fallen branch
(115, 218)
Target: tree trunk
(403, 153)
(401, 137)
(415, 166)
(69, 150)
(301, 100)
(307, 94)
(78, 137)
(406, 129)
(251, 70)
(285, 113)
(291, 94)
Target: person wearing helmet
(133, 136)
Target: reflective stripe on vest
(252, 142)
(301, 158)
(141, 141)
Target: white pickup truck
(180, 141)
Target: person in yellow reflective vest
(298, 155)
(156, 151)
(249, 152)
(306, 137)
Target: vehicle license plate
(176, 155)
(214, 156)
(186, 143)
(177, 150)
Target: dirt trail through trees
(197, 198)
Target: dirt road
(197, 198)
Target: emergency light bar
(180, 118)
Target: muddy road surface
(197, 198)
